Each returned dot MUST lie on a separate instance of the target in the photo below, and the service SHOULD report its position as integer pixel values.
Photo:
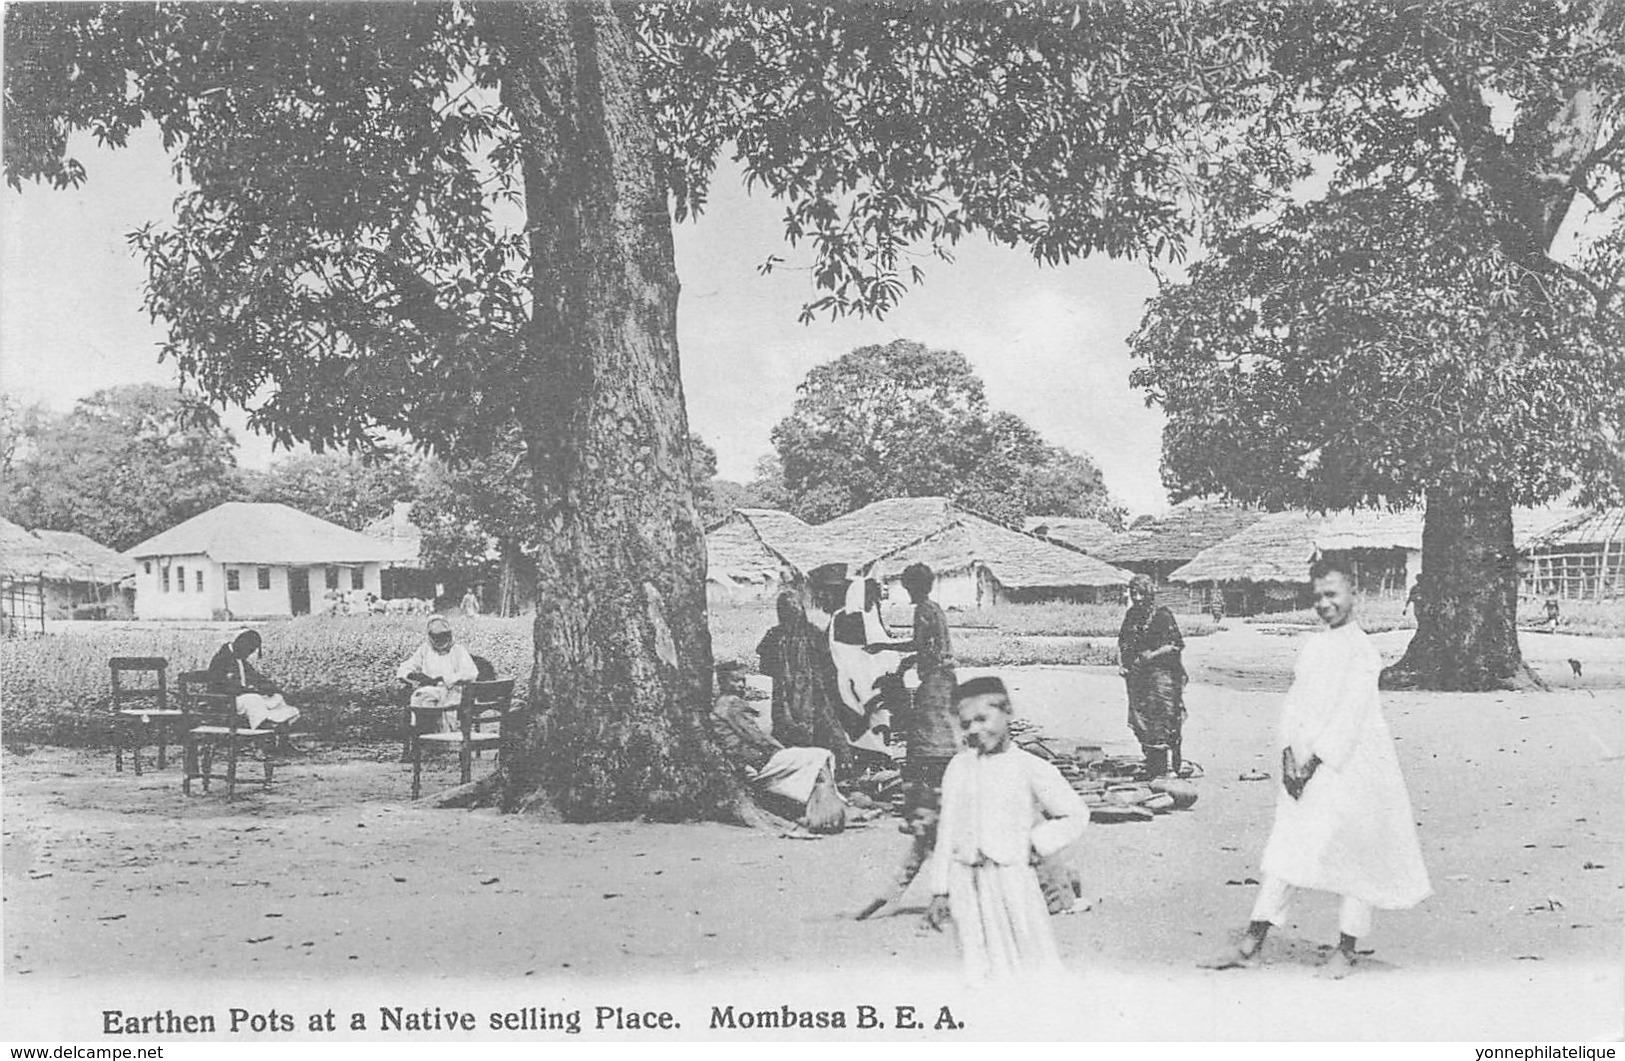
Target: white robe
(453, 667)
(993, 822)
(856, 670)
(1351, 831)
(792, 772)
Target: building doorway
(299, 590)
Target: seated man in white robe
(1343, 821)
(433, 676)
(791, 773)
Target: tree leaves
(124, 464)
(903, 420)
(1372, 346)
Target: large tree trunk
(623, 655)
(1466, 616)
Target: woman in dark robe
(1149, 648)
(795, 654)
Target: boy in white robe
(1343, 819)
(1003, 809)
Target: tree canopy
(1411, 322)
(1411, 328)
(1368, 347)
(122, 465)
(346, 257)
(903, 420)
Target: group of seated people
(433, 676)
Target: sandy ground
(333, 889)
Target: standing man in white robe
(1343, 819)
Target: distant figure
(471, 603)
(1343, 820)
(1554, 613)
(795, 655)
(259, 700)
(1150, 649)
(1574, 665)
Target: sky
(1049, 342)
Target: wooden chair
(484, 707)
(215, 721)
(142, 713)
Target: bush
(339, 672)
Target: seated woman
(258, 699)
(434, 674)
(790, 773)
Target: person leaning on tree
(789, 773)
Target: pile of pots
(1115, 787)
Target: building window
(232, 582)
(332, 577)
(165, 572)
(358, 578)
(264, 575)
(180, 579)
(199, 580)
(147, 564)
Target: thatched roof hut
(1276, 549)
(1265, 567)
(1581, 558)
(1085, 535)
(71, 574)
(755, 552)
(1156, 546)
(977, 560)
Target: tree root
(1403, 676)
(481, 793)
(1525, 678)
